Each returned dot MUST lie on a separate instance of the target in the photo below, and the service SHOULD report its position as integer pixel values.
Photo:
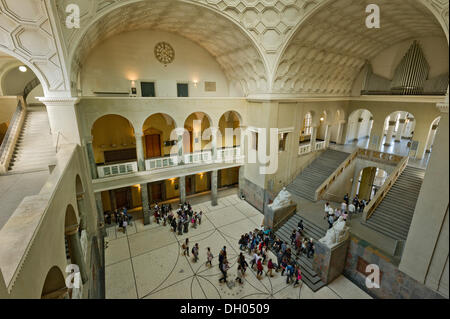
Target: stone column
(214, 188)
(76, 253)
(182, 189)
(327, 136)
(100, 213)
(213, 144)
(389, 133)
(339, 132)
(140, 152)
(145, 203)
(241, 179)
(112, 196)
(180, 131)
(81, 210)
(63, 119)
(91, 157)
(401, 128)
(431, 138)
(358, 129)
(313, 138)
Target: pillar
(180, 131)
(431, 138)
(63, 119)
(358, 129)
(241, 179)
(426, 248)
(376, 134)
(91, 158)
(100, 213)
(313, 138)
(140, 152)
(401, 128)
(390, 133)
(81, 210)
(339, 132)
(182, 189)
(76, 253)
(213, 144)
(327, 136)
(145, 203)
(214, 188)
(112, 196)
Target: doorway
(153, 145)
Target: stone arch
(359, 125)
(335, 56)
(229, 120)
(196, 134)
(42, 78)
(54, 285)
(237, 52)
(121, 136)
(157, 129)
(432, 134)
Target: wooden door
(153, 145)
(122, 198)
(156, 192)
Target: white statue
(336, 234)
(283, 199)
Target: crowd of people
(121, 218)
(346, 210)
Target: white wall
(38, 91)
(112, 65)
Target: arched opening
(197, 135)
(229, 135)
(158, 133)
(432, 135)
(54, 285)
(307, 128)
(322, 128)
(359, 127)
(398, 131)
(337, 127)
(113, 140)
(370, 180)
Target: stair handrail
(381, 193)
(57, 141)
(324, 186)
(12, 134)
(30, 86)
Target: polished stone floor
(146, 262)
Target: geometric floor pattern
(147, 263)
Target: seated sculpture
(283, 199)
(337, 234)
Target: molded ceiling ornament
(164, 53)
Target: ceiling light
(22, 68)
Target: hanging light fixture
(23, 68)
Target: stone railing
(198, 157)
(12, 134)
(321, 190)
(117, 169)
(308, 148)
(304, 149)
(161, 162)
(381, 193)
(228, 154)
(377, 156)
(319, 146)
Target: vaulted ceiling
(329, 49)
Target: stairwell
(310, 277)
(306, 183)
(34, 150)
(394, 214)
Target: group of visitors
(121, 218)
(180, 220)
(302, 244)
(346, 210)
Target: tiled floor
(147, 262)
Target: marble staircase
(307, 182)
(34, 150)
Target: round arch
(158, 130)
(113, 139)
(245, 65)
(54, 285)
(339, 55)
(359, 125)
(42, 79)
(368, 181)
(229, 120)
(432, 134)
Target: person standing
(209, 257)
(200, 218)
(344, 206)
(293, 235)
(270, 267)
(260, 268)
(223, 270)
(186, 247)
(327, 209)
(310, 248)
(240, 274)
(351, 210)
(346, 198)
(298, 276)
(330, 221)
(195, 252)
(289, 273)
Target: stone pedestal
(329, 263)
(275, 217)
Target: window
(307, 129)
(148, 89)
(182, 90)
(282, 142)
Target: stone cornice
(59, 101)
